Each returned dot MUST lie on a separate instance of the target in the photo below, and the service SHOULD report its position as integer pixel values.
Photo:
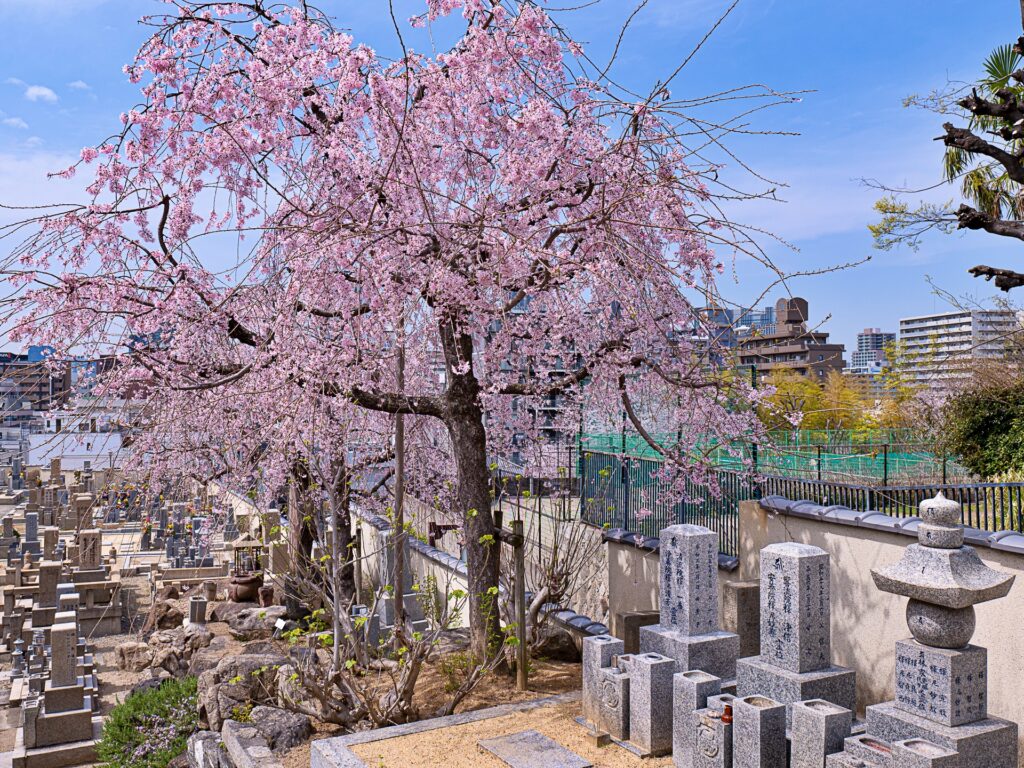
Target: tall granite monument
(795, 663)
(688, 630)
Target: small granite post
(819, 728)
(598, 653)
(941, 680)
(688, 630)
(795, 662)
(650, 703)
(690, 692)
(197, 609)
(758, 733)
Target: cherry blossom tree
(287, 213)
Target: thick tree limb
(971, 218)
(961, 138)
(1005, 279)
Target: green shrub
(455, 668)
(150, 728)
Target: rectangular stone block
(626, 626)
(710, 740)
(754, 676)
(944, 685)
(741, 613)
(715, 652)
(795, 602)
(598, 652)
(650, 702)
(689, 579)
(921, 753)
(65, 698)
(988, 743)
(690, 692)
(63, 659)
(758, 733)
(818, 729)
(89, 555)
(613, 704)
(49, 575)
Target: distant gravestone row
(687, 693)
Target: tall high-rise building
(938, 348)
(870, 357)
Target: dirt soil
(456, 747)
(547, 678)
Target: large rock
(163, 615)
(134, 657)
(558, 645)
(255, 623)
(206, 750)
(224, 611)
(282, 729)
(237, 681)
(169, 592)
(204, 659)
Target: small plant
(150, 728)
(242, 713)
(455, 668)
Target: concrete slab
(532, 749)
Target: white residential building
(938, 348)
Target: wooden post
(519, 548)
(357, 561)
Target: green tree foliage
(150, 728)
(985, 428)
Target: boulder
(260, 646)
(237, 680)
(163, 615)
(206, 750)
(224, 611)
(255, 623)
(282, 729)
(133, 657)
(169, 592)
(557, 644)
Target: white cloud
(15, 122)
(79, 85)
(33, 141)
(14, 81)
(40, 93)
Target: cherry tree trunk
(469, 444)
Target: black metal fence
(626, 492)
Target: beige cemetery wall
(425, 569)
(866, 623)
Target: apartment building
(937, 348)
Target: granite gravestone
(688, 628)
(795, 660)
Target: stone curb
(335, 752)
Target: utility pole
(398, 539)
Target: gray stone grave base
(335, 753)
(59, 755)
(988, 743)
(756, 677)
(714, 652)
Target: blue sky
(61, 87)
